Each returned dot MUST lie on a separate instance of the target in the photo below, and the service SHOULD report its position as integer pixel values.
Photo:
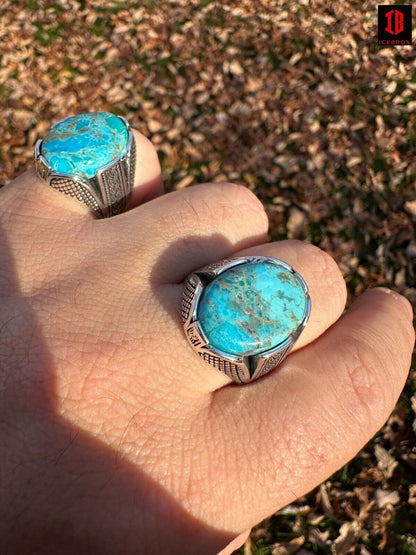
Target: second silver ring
(90, 157)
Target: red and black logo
(394, 25)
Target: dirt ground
(295, 100)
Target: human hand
(116, 437)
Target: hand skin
(115, 438)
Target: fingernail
(399, 298)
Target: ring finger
(326, 289)
(39, 198)
(241, 227)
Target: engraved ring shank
(90, 157)
(243, 315)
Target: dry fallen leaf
(386, 497)
(348, 533)
(410, 206)
(295, 100)
(288, 548)
(385, 462)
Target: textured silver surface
(241, 369)
(107, 193)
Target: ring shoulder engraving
(76, 190)
(100, 173)
(241, 366)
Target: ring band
(243, 315)
(90, 157)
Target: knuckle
(219, 202)
(323, 272)
(367, 382)
(328, 274)
(241, 196)
(328, 265)
(231, 194)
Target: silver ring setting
(243, 315)
(90, 157)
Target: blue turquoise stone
(251, 308)
(81, 145)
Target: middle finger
(327, 292)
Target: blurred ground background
(295, 100)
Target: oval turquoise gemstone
(81, 145)
(251, 308)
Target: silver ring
(243, 315)
(90, 157)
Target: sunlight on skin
(123, 427)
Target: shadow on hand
(62, 491)
(188, 254)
